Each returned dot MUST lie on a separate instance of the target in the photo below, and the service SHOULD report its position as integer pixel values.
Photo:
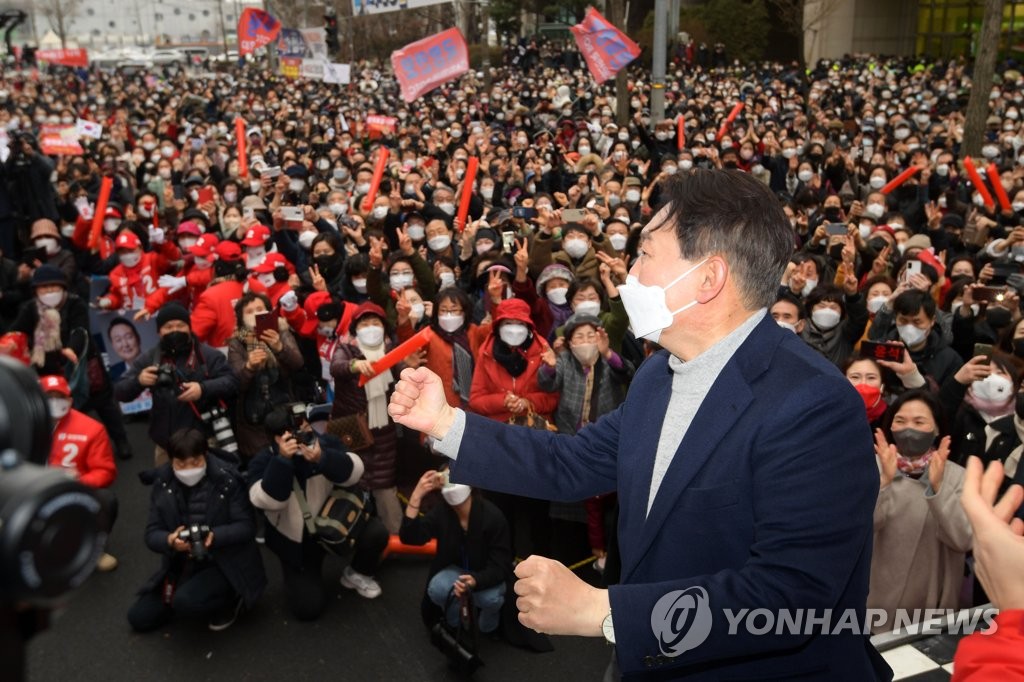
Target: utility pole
(658, 62)
(673, 21)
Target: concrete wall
(837, 27)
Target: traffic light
(331, 31)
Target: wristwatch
(608, 628)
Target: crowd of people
(283, 281)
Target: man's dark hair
(126, 322)
(279, 421)
(801, 311)
(922, 395)
(186, 443)
(826, 292)
(912, 301)
(733, 214)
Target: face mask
(194, 194)
(990, 151)
(296, 186)
(869, 394)
(306, 239)
(825, 318)
(994, 389)
(51, 299)
(786, 325)
(789, 152)
(400, 281)
(176, 344)
(359, 285)
(483, 247)
(203, 263)
(370, 336)
(911, 335)
(417, 310)
(875, 303)
(514, 334)
(901, 133)
(557, 296)
(876, 211)
(877, 182)
(111, 225)
(416, 232)
(487, 192)
(51, 245)
(379, 212)
(588, 308)
(255, 255)
(618, 241)
(439, 243)
(189, 477)
(1018, 206)
(942, 170)
(576, 248)
(586, 353)
(447, 207)
(913, 442)
(805, 176)
(447, 279)
(230, 197)
(455, 493)
(362, 188)
(646, 307)
(130, 260)
(809, 286)
(326, 332)
(338, 209)
(254, 186)
(614, 200)
(686, 164)
(632, 196)
(450, 322)
(58, 407)
(267, 280)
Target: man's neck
(700, 339)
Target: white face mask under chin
(646, 306)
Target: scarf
(513, 360)
(990, 410)
(462, 360)
(914, 467)
(251, 342)
(376, 388)
(46, 338)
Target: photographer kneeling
(201, 521)
(474, 552)
(300, 459)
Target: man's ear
(799, 326)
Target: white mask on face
(203, 263)
(447, 279)
(994, 388)
(455, 493)
(877, 182)
(189, 477)
(326, 332)
(911, 335)
(362, 188)
(876, 211)
(646, 306)
(448, 207)
(483, 247)
(825, 319)
(417, 311)
(379, 212)
(58, 407)
(450, 322)
(805, 175)
(266, 279)
(586, 353)
(371, 337)
(514, 333)
(416, 232)
(111, 225)
(487, 192)
(51, 299)
(439, 243)
(359, 285)
(875, 303)
(632, 196)
(809, 286)
(400, 281)
(576, 248)
(306, 239)
(865, 230)
(338, 209)
(588, 308)
(557, 295)
(130, 260)
(786, 325)
(618, 241)
(255, 256)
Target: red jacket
(993, 657)
(440, 355)
(80, 441)
(196, 281)
(127, 284)
(213, 318)
(491, 382)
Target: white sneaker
(366, 586)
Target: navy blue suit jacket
(767, 504)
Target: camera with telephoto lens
(52, 528)
(302, 436)
(195, 535)
(167, 377)
(216, 419)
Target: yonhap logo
(681, 620)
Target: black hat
(952, 220)
(296, 171)
(48, 274)
(171, 312)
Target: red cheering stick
(997, 187)
(680, 133)
(378, 175)
(979, 184)
(101, 208)
(243, 161)
(727, 123)
(467, 193)
(900, 179)
(399, 353)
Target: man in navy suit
(741, 458)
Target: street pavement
(356, 639)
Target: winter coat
(568, 380)
(441, 355)
(491, 382)
(80, 442)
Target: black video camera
(52, 528)
(195, 535)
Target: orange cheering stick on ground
(900, 179)
(467, 192)
(727, 123)
(101, 208)
(378, 175)
(243, 161)
(399, 353)
(979, 184)
(997, 186)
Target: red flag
(422, 66)
(64, 57)
(606, 48)
(256, 28)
